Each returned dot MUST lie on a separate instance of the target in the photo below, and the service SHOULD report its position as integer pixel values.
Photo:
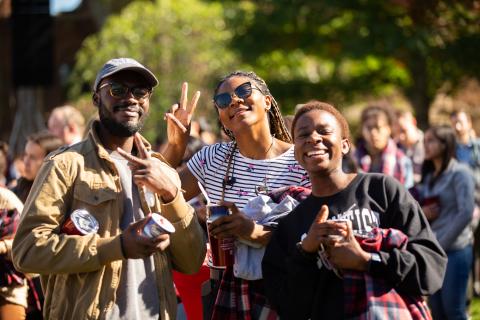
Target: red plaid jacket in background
(394, 162)
(373, 298)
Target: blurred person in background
(8, 200)
(13, 284)
(446, 195)
(3, 163)
(19, 168)
(409, 139)
(468, 146)
(205, 132)
(194, 144)
(468, 152)
(376, 151)
(9, 172)
(38, 146)
(67, 123)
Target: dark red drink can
(80, 222)
(221, 250)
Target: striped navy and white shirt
(209, 166)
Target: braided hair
(275, 119)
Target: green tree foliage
(337, 50)
(179, 40)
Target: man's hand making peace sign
(152, 173)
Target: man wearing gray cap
(112, 269)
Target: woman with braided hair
(258, 159)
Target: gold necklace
(271, 145)
(263, 188)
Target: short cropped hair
(318, 105)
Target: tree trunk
(418, 93)
(28, 118)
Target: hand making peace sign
(180, 116)
(151, 172)
(178, 120)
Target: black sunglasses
(120, 91)
(243, 91)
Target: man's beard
(119, 129)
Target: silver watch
(375, 257)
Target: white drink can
(157, 225)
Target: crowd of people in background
(420, 187)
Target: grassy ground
(475, 309)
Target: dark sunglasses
(120, 91)
(243, 91)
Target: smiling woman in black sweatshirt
(407, 264)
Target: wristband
(308, 255)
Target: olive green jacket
(80, 274)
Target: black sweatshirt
(299, 289)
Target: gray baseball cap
(120, 64)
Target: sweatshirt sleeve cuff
(109, 249)
(176, 209)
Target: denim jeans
(450, 301)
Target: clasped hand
(236, 224)
(136, 245)
(338, 240)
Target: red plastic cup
(157, 225)
(80, 223)
(433, 206)
(370, 241)
(221, 250)
(435, 200)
